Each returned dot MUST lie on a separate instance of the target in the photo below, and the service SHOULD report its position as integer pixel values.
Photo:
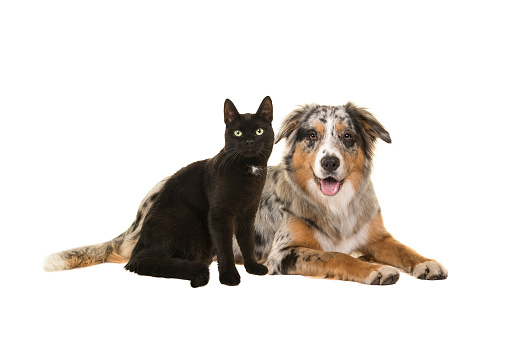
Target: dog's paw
(383, 275)
(230, 278)
(430, 270)
(256, 268)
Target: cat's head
(249, 135)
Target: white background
(99, 100)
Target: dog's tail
(117, 250)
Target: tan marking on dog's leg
(385, 249)
(304, 257)
(340, 266)
(302, 235)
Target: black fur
(200, 208)
(289, 262)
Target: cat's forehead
(249, 120)
(248, 117)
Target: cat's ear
(265, 109)
(230, 112)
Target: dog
(317, 207)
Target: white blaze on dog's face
(330, 167)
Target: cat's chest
(248, 175)
(246, 180)
(256, 171)
(238, 190)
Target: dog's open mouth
(330, 186)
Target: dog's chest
(346, 244)
(344, 229)
(341, 213)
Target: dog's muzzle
(329, 185)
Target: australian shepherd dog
(317, 208)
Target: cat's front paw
(230, 278)
(256, 268)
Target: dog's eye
(259, 131)
(347, 137)
(237, 133)
(313, 136)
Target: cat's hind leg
(173, 243)
(154, 265)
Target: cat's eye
(259, 131)
(237, 133)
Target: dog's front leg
(296, 251)
(383, 248)
(332, 265)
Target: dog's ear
(265, 110)
(288, 125)
(368, 123)
(369, 128)
(230, 112)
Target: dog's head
(327, 146)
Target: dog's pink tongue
(329, 186)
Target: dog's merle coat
(317, 206)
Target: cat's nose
(249, 142)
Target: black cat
(197, 211)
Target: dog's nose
(330, 163)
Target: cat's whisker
(230, 155)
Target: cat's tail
(117, 250)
